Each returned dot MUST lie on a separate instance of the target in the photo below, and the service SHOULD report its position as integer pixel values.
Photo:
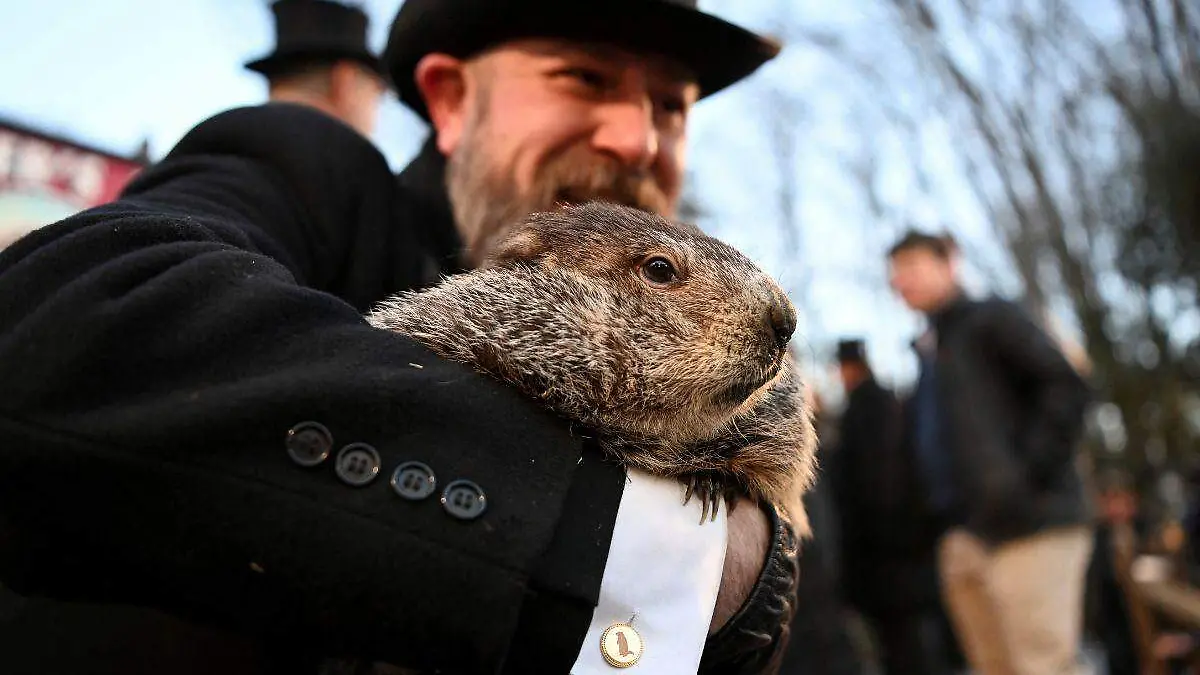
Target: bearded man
(213, 464)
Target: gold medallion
(621, 645)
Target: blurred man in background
(888, 540)
(823, 640)
(1109, 608)
(321, 60)
(997, 415)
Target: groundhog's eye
(659, 271)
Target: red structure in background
(44, 178)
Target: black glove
(755, 639)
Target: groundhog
(669, 345)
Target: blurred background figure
(887, 538)
(321, 60)
(1109, 614)
(823, 637)
(998, 418)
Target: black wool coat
(154, 354)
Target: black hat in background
(308, 30)
(851, 351)
(719, 53)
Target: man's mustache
(574, 179)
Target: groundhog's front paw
(711, 489)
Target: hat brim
(275, 62)
(716, 51)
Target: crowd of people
(958, 527)
(217, 361)
(959, 513)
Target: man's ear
(441, 79)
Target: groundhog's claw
(711, 491)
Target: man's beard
(486, 200)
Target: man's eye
(672, 104)
(586, 76)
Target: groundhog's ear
(524, 244)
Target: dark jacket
(155, 353)
(887, 534)
(1011, 413)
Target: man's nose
(627, 133)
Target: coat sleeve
(164, 361)
(1055, 396)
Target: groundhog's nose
(782, 320)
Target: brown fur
(560, 311)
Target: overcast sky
(114, 73)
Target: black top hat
(718, 52)
(852, 351)
(317, 30)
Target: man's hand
(749, 535)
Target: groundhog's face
(694, 328)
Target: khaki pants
(1017, 609)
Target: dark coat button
(309, 443)
(357, 464)
(464, 500)
(414, 481)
